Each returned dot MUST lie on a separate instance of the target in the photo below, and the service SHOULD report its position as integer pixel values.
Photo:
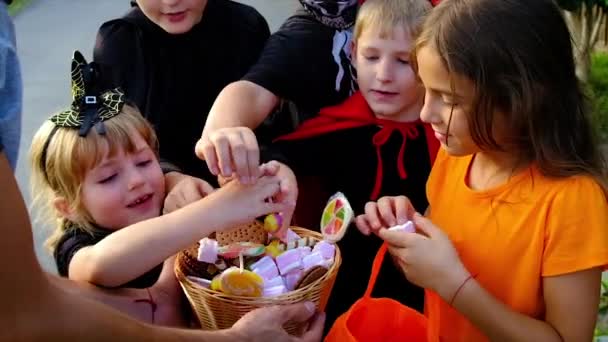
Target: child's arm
(130, 252)
(571, 303)
(571, 300)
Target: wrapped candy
(336, 218)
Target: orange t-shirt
(513, 235)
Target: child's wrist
(450, 286)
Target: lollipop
(336, 218)
(240, 282)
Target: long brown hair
(518, 53)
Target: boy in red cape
(372, 145)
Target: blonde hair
(69, 157)
(385, 15)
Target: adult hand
(266, 324)
(183, 190)
(387, 212)
(232, 150)
(427, 258)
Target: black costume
(174, 79)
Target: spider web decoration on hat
(86, 101)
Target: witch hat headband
(90, 107)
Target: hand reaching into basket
(266, 324)
(288, 187)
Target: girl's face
(445, 110)
(173, 16)
(126, 188)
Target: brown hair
(69, 157)
(518, 53)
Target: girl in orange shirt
(516, 234)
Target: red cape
(353, 113)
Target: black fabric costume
(298, 64)
(75, 238)
(174, 79)
(343, 157)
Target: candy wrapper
(336, 218)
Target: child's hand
(243, 203)
(387, 212)
(289, 187)
(232, 150)
(428, 259)
(185, 190)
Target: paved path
(48, 31)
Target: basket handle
(375, 269)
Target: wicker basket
(216, 310)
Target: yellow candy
(275, 248)
(215, 283)
(273, 222)
(237, 282)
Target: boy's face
(385, 76)
(173, 16)
(124, 189)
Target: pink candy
(291, 279)
(289, 261)
(274, 291)
(207, 251)
(314, 259)
(304, 251)
(407, 227)
(276, 281)
(326, 249)
(267, 270)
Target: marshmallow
(291, 279)
(304, 251)
(266, 270)
(326, 249)
(407, 227)
(289, 261)
(314, 259)
(274, 291)
(263, 261)
(276, 281)
(207, 251)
